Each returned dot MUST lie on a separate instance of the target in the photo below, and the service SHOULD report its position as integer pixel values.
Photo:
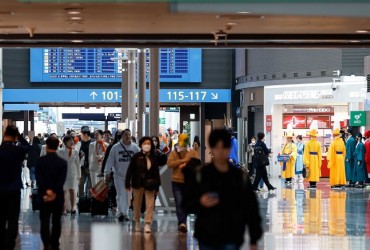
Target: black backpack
(260, 158)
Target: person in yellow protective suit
(288, 168)
(312, 158)
(336, 157)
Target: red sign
(297, 121)
(322, 120)
(268, 123)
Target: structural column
(26, 119)
(131, 91)
(124, 88)
(141, 91)
(32, 119)
(154, 92)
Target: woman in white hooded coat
(72, 158)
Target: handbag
(305, 172)
(100, 191)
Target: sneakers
(183, 228)
(147, 228)
(137, 227)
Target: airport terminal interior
(291, 69)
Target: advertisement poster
(297, 121)
(322, 120)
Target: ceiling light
(231, 23)
(75, 31)
(243, 12)
(354, 41)
(74, 12)
(77, 41)
(75, 18)
(362, 31)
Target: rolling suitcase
(84, 205)
(34, 200)
(99, 208)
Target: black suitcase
(34, 200)
(99, 208)
(84, 205)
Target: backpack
(260, 158)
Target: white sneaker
(137, 227)
(147, 228)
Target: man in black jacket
(13, 151)
(261, 171)
(225, 201)
(51, 172)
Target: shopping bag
(100, 191)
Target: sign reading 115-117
(102, 65)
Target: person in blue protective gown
(359, 171)
(299, 160)
(350, 158)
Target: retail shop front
(301, 104)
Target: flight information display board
(101, 65)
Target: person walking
(84, 159)
(51, 172)
(71, 156)
(250, 151)
(299, 161)
(177, 160)
(13, 151)
(312, 158)
(289, 166)
(336, 155)
(33, 156)
(261, 154)
(221, 214)
(350, 158)
(119, 160)
(143, 178)
(97, 151)
(360, 171)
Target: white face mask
(253, 141)
(146, 148)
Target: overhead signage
(357, 118)
(21, 107)
(105, 65)
(312, 110)
(113, 95)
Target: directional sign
(113, 95)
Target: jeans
(178, 193)
(85, 179)
(50, 238)
(32, 173)
(229, 246)
(9, 215)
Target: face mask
(253, 141)
(146, 148)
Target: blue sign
(102, 65)
(21, 107)
(113, 95)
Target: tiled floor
(292, 218)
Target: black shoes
(272, 188)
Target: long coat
(350, 157)
(289, 149)
(367, 154)
(312, 158)
(359, 171)
(299, 161)
(336, 156)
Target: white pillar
(131, 89)
(124, 88)
(1, 94)
(141, 84)
(154, 92)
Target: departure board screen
(103, 65)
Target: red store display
(298, 121)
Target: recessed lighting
(73, 11)
(77, 41)
(243, 12)
(362, 31)
(231, 23)
(75, 18)
(354, 41)
(75, 31)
